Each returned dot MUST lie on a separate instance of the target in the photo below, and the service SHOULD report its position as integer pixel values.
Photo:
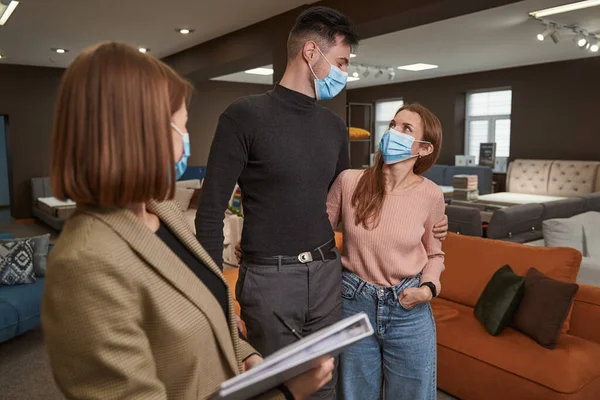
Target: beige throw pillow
(183, 197)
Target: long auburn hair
(369, 194)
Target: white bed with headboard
(540, 181)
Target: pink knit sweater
(402, 245)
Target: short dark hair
(323, 25)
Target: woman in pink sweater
(392, 261)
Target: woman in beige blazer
(134, 308)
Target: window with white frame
(488, 121)
(385, 111)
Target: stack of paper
(467, 182)
(296, 359)
(465, 195)
(465, 187)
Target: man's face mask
(330, 86)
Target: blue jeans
(400, 358)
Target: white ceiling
(247, 78)
(503, 37)
(36, 26)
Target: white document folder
(296, 359)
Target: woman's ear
(426, 150)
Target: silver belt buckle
(305, 257)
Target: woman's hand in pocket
(412, 297)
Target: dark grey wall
(4, 192)
(210, 99)
(554, 107)
(28, 99)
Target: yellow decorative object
(359, 134)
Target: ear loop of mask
(423, 142)
(325, 58)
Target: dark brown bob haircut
(112, 143)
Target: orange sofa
(472, 364)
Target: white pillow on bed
(563, 232)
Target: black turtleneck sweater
(285, 151)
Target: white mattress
(508, 198)
(54, 202)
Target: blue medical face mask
(397, 146)
(181, 165)
(330, 86)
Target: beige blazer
(125, 318)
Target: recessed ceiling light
(353, 78)
(352, 55)
(565, 8)
(7, 10)
(185, 31)
(418, 67)
(59, 50)
(143, 49)
(260, 71)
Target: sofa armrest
(585, 319)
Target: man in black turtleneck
(285, 151)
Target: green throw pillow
(499, 300)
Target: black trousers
(307, 296)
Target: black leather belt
(324, 252)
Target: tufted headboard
(553, 177)
(573, 178)
(528, 176)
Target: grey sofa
(40, 187)
(523, 223)
(592, 202)
(464, 220)
(442, 175)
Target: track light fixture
(551, 31)
(392, 74)
(547, 32)
(580, 39)
(583, 39)
(593, 41)
(365, 70)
